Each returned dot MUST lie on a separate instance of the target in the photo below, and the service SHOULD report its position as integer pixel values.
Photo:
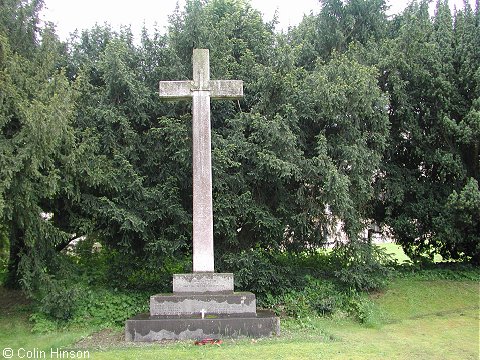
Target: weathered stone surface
(201, 89)
(154, 328)
(202, 185)
(199, 282)
(226, 89)
(191, 304)
(175, 90)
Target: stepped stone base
(203, 305)
(154, 328)
(208, 303)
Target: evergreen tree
(429, 76)
(36, 137)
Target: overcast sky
(69, 15)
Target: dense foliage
(352, 117)
(429, 187)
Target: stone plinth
(154, 328)
(201, 282)
(206, 303)
(198, 315)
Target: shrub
(440, 271)
(89, 307)
(42, 323)
(104, 308)
(112, 269)
(362, 308)
(324, 297)
(318, 297)
(257, 270)
(361, 266)
(58, 300)
(4, 246)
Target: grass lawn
(396, 251)
(417, 319)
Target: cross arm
(175, 90)
(226, 89)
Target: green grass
(409, 299)
(396, 251)
(419, 319)
(15, 330)
(400, 256)
(15, 333)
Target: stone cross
(202, 89)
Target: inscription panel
(230, 304)
(202, 282)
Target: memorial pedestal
(202, 305)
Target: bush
(104, 308)
(58, 300)
(314, 284)
(4, 246)
(258, 270)
(318, 298)
(440, 271)
(42, 323)
(94, 290)
(88, 307)
(324, 298)
(104, 288)
(112, 269)
(362, 308)
(362, 267)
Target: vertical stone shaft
(203, 256)
(202, 89)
